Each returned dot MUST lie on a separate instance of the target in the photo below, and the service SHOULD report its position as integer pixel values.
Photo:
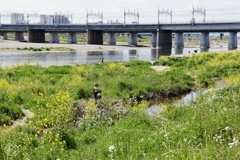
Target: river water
(156, 109)
(46, 59)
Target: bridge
(161, 33)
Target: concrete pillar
(205, 43)
(179, 41)
(111, 38)
(153, 39)
(95, 37)
(232, 41)
(5, 35)
(132, 39)
(221, 36)
(189, 37)
(36, 36)
(72, 38)
(164, 39)
(19, 36)
(53, 38)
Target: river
(155, 110)
(46, 59)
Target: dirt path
(19, 122)
(161, 68)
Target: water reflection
(156, 53)
(154, 111)
(179, 51)
(133, 55)
(204, 50)
(92, 57)
(187, 99)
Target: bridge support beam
(164, 39)
(154, 39)
(179, 41)
(53, 38)
(5, 35)
(111, 38)
(36, 36)
(72, 38)
(132, 39)
(95, 37)
(232, 41)
(205, 43)
(19, 36)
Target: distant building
(46, 19)
(17, 18)
(60, 19)
(54, 19)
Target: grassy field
(67, 124)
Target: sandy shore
(76, 47)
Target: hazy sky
(216, 10)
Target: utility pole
(4, 15)
(97, 15)
(33, 15)
(166, 12)
(133, 14)
(201, 11)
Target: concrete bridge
(161, 33)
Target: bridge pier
(221, 36)
(164, 39)
(72, 38)
(189, 37)
(19, 36)
(232, 41)
(205, 43)
(5, 35)
(53, 38)
(179, 41)
(111, 38)
(95, 37)
(36, 36)
(132, 39)
(154, 39)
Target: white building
(17, 18)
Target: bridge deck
(118, 28)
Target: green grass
(45, 49)
(66, 123)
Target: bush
(68, 137)
(4, 119)
(81, 93)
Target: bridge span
(161, 33)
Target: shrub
(81, 93)
(68, 137)
(4, 119)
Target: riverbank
(13, 45)
(68, 125)
(9, 45)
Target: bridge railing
(120, 24)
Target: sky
(113, 10)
